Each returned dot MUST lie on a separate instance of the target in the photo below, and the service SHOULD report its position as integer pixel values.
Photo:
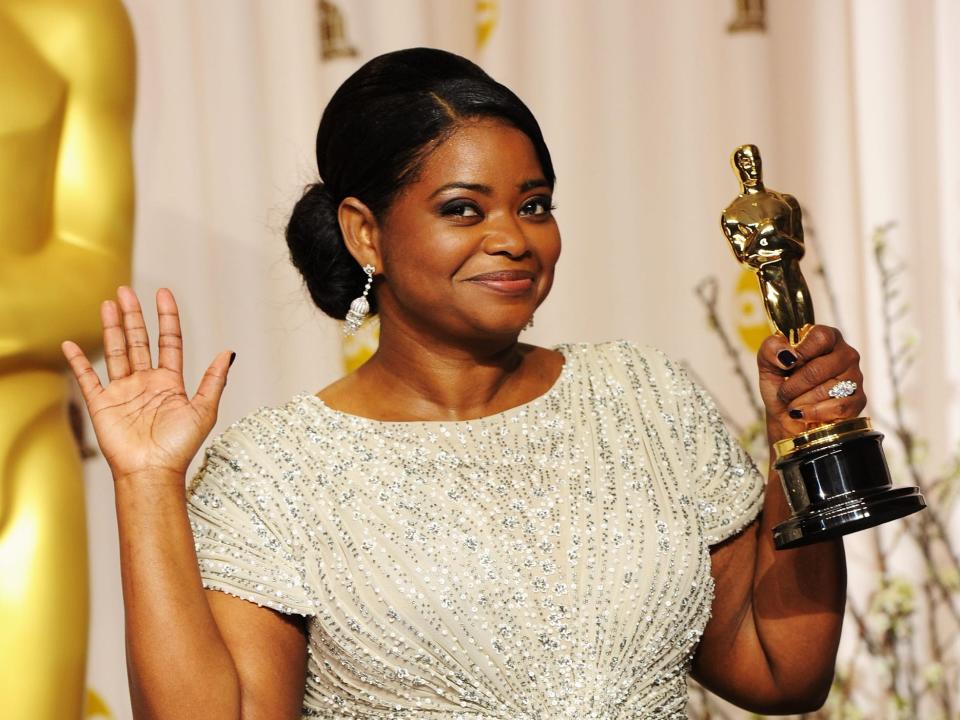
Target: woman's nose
(506, 237)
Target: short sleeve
(727, 484)
(241, 536)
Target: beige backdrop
(855, 105)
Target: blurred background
(855, 105)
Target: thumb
(776, 356)
(213, 381)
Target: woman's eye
(537, 206)
(460, 209)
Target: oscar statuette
(835, 476)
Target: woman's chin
(505, 328)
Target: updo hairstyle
(374, 135)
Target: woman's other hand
(795, 382)
(144, 420)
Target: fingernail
(796, 413)
(786, 358)
(233, 356)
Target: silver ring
(844, 388)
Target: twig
(899, 362)
(900, 429)
(865, 633)
(707, 292)
(810, 238)
(731, 421)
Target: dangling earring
(359, 308)
(529, 323)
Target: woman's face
(469, 247)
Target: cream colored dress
(549, 561)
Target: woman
(466, 526)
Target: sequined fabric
(550, 561)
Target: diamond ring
(844, 388)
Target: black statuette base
(839, 488)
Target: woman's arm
(193, 653)
(190, 653)
(771, 643)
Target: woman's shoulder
(262, 442)
(628, 366)
(267, 452)
(271, 425)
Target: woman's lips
(510, 282)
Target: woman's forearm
(799, 597)
(178, 664)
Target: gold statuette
(765, 231)
(66, 226)
(835, 476)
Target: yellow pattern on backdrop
(358, 348)
(334, 42)
(96, 707)
(749, 316)
(66, 224)
(488, 13)
(751, 16)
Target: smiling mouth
(511, 282)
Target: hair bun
(318, 251)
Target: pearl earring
(359, 308)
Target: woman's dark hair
(374, 134)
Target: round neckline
(554, 389)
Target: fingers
(831, 410)
(778, 356)
(138, 342)
(114, 341)
(819, 340)
(821, 393)
(820, 372)
(86, 376)
(791, 372)
(170, 342)
(213, 382)
(797, 381)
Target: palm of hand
(144, 420)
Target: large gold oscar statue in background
(834, 475)
(66, 223)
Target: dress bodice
(549, 561)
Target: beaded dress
(549, 561)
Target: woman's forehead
(487, 149)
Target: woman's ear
(361, 232)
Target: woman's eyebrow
(476, 187)
(486, 189)
(533, 183)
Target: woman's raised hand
(144, 420)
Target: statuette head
(746, 161)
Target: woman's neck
(411, 377)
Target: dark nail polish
(233, 356)
(796, 414)
(786, 358)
